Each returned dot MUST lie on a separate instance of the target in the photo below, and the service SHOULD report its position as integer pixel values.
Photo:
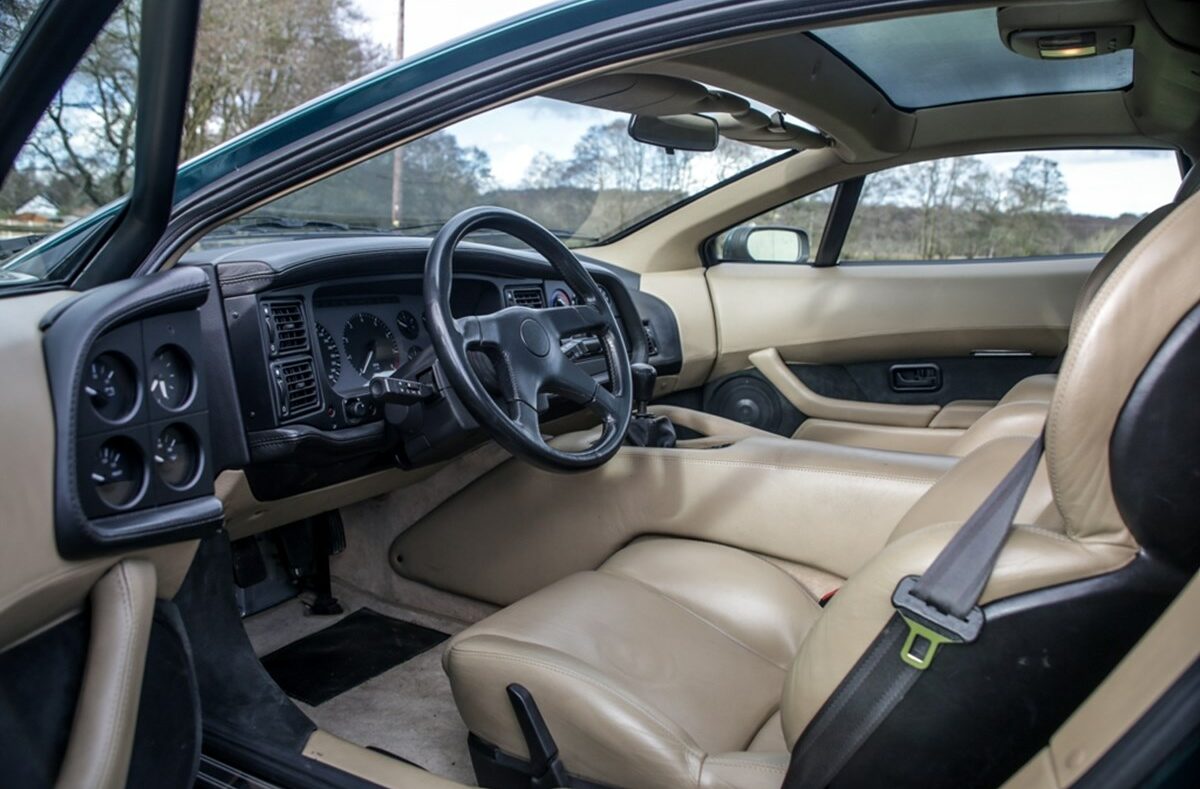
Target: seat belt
(937, 608)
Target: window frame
(845, 205)
(838, 205)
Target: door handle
(915, 377)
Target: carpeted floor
(407, 710)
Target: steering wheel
(524, 345)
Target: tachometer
(331, 357)
(370, 345)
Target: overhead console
(312, 325)
(131, 368)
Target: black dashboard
(310, 325)
(259, 358)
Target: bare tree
(253, 61)
(257, 60)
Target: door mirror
(676, 132)
(765, 245)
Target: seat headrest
(1133, 313)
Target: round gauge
(414, 351)
(177, 456)
(111, 386)
(170, 378)
(331, 357)
(118, 472)
(370, 345)
(560, 298)
(408, 324)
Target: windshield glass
(574, 169)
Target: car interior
(481, 507)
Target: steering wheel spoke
(574, 319)
(525, 417)
(480, 332)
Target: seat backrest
(1090, 563)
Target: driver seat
(681, 663)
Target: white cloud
(1109, 182)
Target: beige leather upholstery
(101, 741)
(662, 662)
(818, 505)
(647, 711)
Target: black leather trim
(983, 709)
(287, 263)
(69, 334)
(1154, 460)
(294, 442)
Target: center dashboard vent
(295, 387)
(534, 298)
(287, 331)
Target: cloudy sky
(1106, 183)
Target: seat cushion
(672, 654)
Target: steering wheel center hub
(535, 337)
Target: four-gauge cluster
(141, 417)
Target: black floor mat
(344, 655)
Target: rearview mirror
(766, 244)
(676, 132)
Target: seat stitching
(703, 619)
(649, 713)
(771, 768)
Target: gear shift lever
(644, 378)
(645, 429)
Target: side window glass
(790, 233)
(1009, 205)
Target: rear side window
(1008, 205)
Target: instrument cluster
(365, 343)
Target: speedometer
(370, 345)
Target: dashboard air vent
(651, 340)
(286, 328)
(534, 298)
(296, 387)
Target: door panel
(59, 629)
(899, 311)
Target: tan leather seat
(682, 663)
(1023, 405)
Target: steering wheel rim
(524, 345)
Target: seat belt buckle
(928, 627)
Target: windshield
(573, 169)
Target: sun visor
(659, 95)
